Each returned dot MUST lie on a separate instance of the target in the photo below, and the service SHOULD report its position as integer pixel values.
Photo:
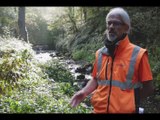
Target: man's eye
(115, 23)
(109, 23)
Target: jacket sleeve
(144, 71)
(94, 72)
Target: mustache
(106, 32)
(111, 31)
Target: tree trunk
(21, 23)
(71, 17)
(85, 14)
(75, 29)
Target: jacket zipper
(106, 69)
(110, 85)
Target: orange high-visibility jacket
(116, 94)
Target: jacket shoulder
(99, 50)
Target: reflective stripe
(103, 50)
(99, 63)
(132, 64)
(122, 85)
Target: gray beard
(111, 37)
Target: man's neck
(111, 45)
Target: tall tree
(21, 23)
(71, 15)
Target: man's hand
(77, 98)
(80, 95)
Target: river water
(71, 65)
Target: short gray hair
(123, 14)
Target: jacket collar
(123, 43)
(120, 44)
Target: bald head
(123, 15)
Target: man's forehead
(114, 16)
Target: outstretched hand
(77, 98)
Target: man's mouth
(111, 33)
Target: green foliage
(78, 55)
(6, 31)
(57, 71)
(154, 56)
(83, 55)
(42, 97)
(86, 51)
(157, 82)
(15, 62)
(8, 18)
(66, 88)
(144, 28)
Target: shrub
(15, 62)
(57, 71)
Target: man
(121, 74)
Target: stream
(69, 64)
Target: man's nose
(111, 25)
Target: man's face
(115, 27)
